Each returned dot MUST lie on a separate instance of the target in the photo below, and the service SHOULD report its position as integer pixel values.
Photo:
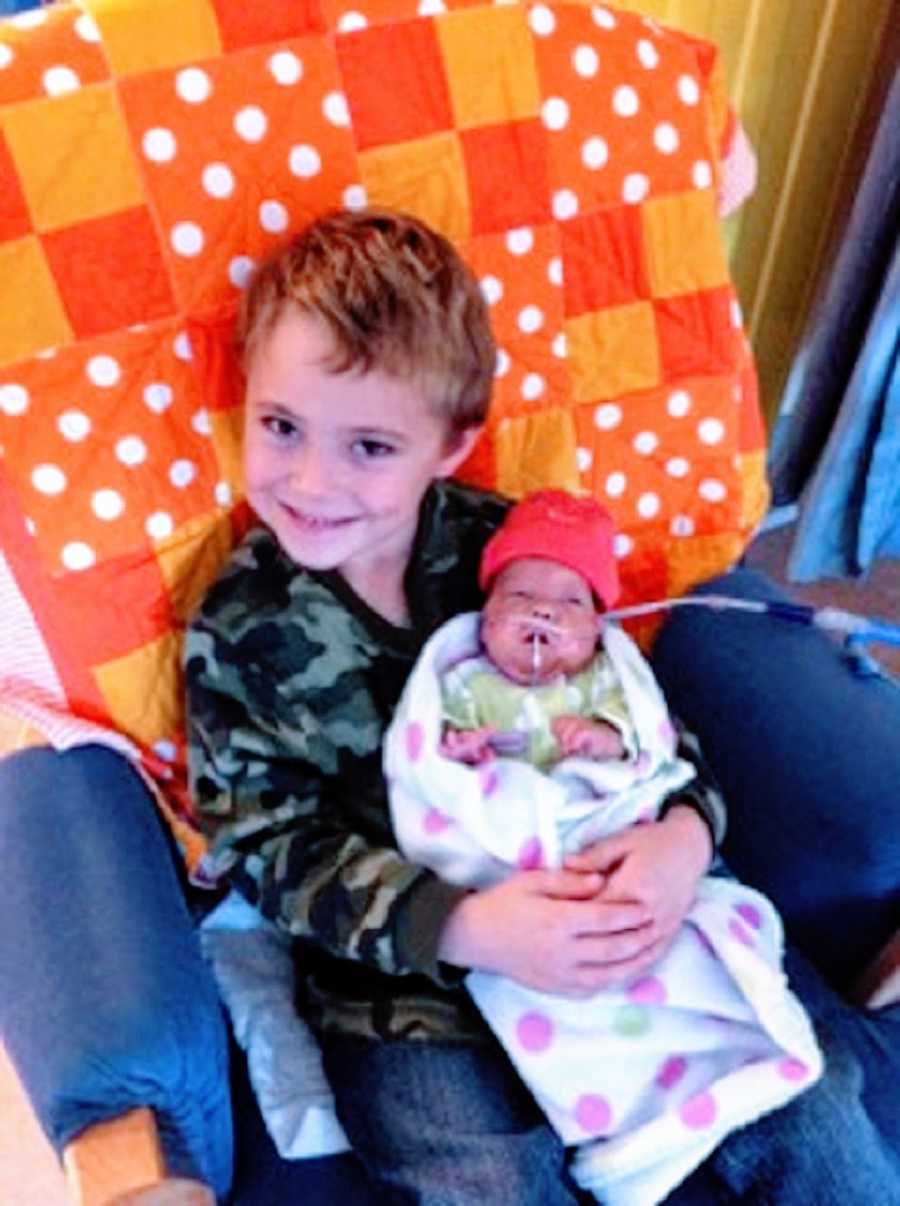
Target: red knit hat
(576, 532)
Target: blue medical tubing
(856, 629)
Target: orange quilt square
(87, 261)
(613, 351)
(490, 65)
(74, 156)
(683, 244)
(143, 690)
(143, 35)
(480, 466)
(426, 177)
(38, 319)
(395, 82)
(110, 445)
(620, 130)
(536, 452)
(643, 573)
(520, 274)
(15, 219)
(746, 395)
(49, 51)
(652, 456)
(348, 15)
(603, 260)
(697, 335)
(111, 608)
(191, 558)
(236, 154)
(506, 167)
(256, 24)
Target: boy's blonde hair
(396, 297)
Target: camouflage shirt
(292, 680)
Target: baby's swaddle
(646, 1080)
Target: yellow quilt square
(190, 560)
(74, 157)
(33, 314)
(613, 352)
(755, 491)
(143, 35)
(143, 689)
(682, 244)
(425, 177)
(490, 63)
(227, 437)
(536, 452)
(693, 559)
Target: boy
(369, 360)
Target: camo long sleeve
(291, 683)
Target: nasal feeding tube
(856, 629)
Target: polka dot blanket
(646, 1080)
(151, 152)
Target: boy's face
(539, 621)
(337, 463)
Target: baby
(540, 688)
(533, 730)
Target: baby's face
(539, 621)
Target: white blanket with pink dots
(645, 1081)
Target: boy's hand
(554, 931)
(656, 866)
(467, 745)
(589, 738)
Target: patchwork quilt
(152, 150)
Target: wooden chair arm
(879, 985)
(120, 1163)
(112, 1158)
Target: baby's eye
(574, 601)
(372, 450)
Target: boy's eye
(281, 428)
(371, 450)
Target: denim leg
(105, 1001)
(835, 1144)
(872, 1036)
(446, 1125)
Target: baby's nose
(543, 609)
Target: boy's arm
(702, 794)
(266, 786)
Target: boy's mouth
(313, 523)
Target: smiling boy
(369, 362)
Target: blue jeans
(447, 1125)
(113, 1008)
(105, 1001)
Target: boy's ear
(459, 445)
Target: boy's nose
(310, 472)
(543, 610)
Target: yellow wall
(797, 71)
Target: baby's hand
(467, 745)
(589, 738)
